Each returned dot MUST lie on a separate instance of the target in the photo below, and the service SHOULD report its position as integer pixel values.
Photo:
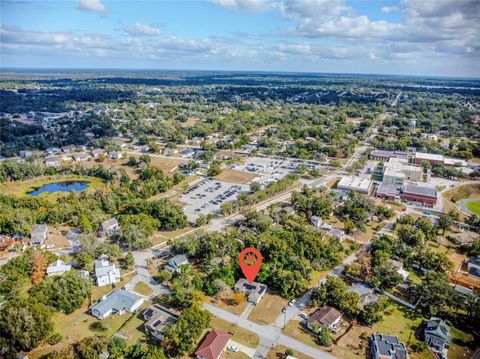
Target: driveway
(243, 348)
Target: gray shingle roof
(118, 301)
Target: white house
(106, 273)
(316, 221)
(58, 268)
(325, 317)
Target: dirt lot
(57, 237)
(268, 309)
(229, 175)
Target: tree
(129, 260)
(85, 261)
(39, 264)
(324, 338)
(64, 293)
(214, 169)
(24, 324)
(163, 276)
(436, 294)
(444, 222)
(181, 337)
(349, 226)
(90, 347)
(116, 347)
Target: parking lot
(270, 170)
(207, 197)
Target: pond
(66, 186)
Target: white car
(233, 348)
(292, 303)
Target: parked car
(292, 303)
(233, 348)
(304, 316)
(284, 309)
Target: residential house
(254, 291)
(115, 155)
(106, 273)
(157, 318)
(96, 153)
(58, 268)
(316, 221)
(337, 233)
(38, 235)
(176, 262)
(168, 151)
(109, 227)
(365, 292)
(118, 302)
(213, 345)
(399, 268)
(387, 347)
(81, 157)
(325, 317)
(437, 334)
(26, 154)
(53, 161)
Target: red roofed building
(213, 345)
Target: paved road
(269, 335)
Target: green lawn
(474, 206)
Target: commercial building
(380, 155)
(358, 184)
(397, 171)
(432, 158)
(424, 194)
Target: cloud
(92, 6)
(389, 9)
(246, 5)
(140, 29)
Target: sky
(405, 37)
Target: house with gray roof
(106, 273)
(118, 302)
(387, 347)
(366, 293)
(176, 262)
(437, 334)
(254, 291)
(38, 235)
(58, 268)
(473, 267)
(109, 227)
(157, 318)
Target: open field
(473, 206)
(229, 175)
(295, 329)
(453, 196)
(278, 352)
(268, 309)
(21, 188)
(108, 163)
(57, 237)
(240, 335)
(227, 301)
(133, 328)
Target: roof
(110, 223)
(175, 263)
(58, 266)
(474, 271)
(254, 290)
(390, 346)
(159, 317)
(213, 344)
(429, 156)
(119, 300)
(438, 328)
(357, 183)
(387, 189)
(325, 316)
(474, 261)
(38, 233)
(423, 189)
(103, 267)
(455, 162)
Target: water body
(66, 186)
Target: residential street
(269, 335)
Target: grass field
(268, 309)
(240, 335)
(21, 188)
(474, 206)
(229, 175)
(454, 195)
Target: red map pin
(250, 263)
